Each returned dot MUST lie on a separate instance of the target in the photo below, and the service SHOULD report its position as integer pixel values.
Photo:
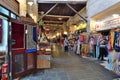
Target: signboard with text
(109, 24)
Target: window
(30, 61)
(4, 11)
(13, 15)
(19, 63)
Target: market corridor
(69, 66)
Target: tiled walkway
(68, 66)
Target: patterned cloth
(31, 44)
(117, 41)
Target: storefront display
(117, 41)
(19, 63)
(3, 42)
(113, 58)
(44, 53)
(30, 43)
(23, 48)
(30, 59)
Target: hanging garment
(117, 41)
(34, 34)
(78, 47)
(81, 38)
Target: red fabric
(18, 51)
(61, 41)
(0, 30)
(81, 38)
(18, 35)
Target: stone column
(22, 7)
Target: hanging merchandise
(86, 38)
(0, 30)
(92, 41)
(110, 41)
(35, 34)
(117, 41)
(40, 23)
(81, 38)
(30, 43)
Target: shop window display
(117, 41)
(4, 11)
(19, 63)
(31, 44)
(30, 61)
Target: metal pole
(75, 11)
(10, 77)
(49, 11)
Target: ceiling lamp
(30, 2)
(60, 19)
(115, 15)
(65, 32)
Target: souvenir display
(30, 43)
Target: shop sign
(109, 24)
(114, 23)
(81, 26)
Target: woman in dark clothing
(102, 51)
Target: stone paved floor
(68, 66)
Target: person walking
(78, 47)
(66, 45)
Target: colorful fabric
(30, 43)
(117, 41)
(34, 34)
(30, 50)
(110, 41)
(81, 38)
(92, 41)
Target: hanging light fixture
(30, 2)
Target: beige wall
(11, 5)
(23, 7)
(100, 9)
(32, 10)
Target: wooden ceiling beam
(58, 16)
(53, 24)
(75, 11)
(62, 1)
(49, 11)
(53, 21)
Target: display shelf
(43, 61)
